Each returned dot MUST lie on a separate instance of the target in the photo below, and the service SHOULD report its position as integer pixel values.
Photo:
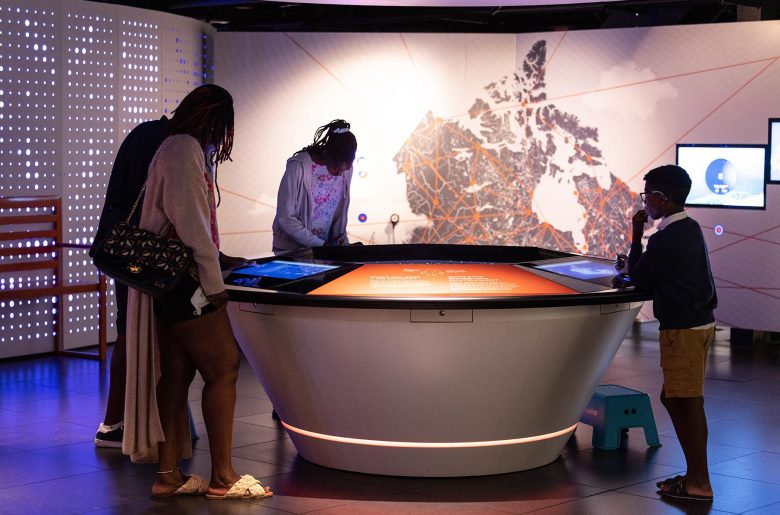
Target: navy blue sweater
(128, 174)
(676, 269)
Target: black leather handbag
(141, 259)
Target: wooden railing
(25, 221)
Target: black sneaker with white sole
(107, 437)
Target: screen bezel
(769, 179)
(597, 283)
(298, 285)
(556, 269)
(319, 267)
(765, 148)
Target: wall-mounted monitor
(774, 150)
(725, 175)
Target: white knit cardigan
(177, 195)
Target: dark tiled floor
(50, 407)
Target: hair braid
(335, 142)
(206, 113)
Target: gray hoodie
(295, 207)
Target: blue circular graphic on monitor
(360, 167)
(362, 217)
(721, 176)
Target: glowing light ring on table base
(447, 385)
(427, 445)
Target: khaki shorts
(684, 359)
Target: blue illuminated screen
(725, 175)
(582, 269)
(280, 269)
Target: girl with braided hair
(168, 341)
(313, 198)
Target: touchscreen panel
(581, 271)
(280, 269)
(584, 269)
(282, 274)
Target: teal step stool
(613, 409)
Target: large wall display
(75, 77)
(530, 139)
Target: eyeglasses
(644, 194)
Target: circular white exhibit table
(432, 385)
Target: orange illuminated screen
(441, 280)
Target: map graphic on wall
(476, 181)
(530, 139)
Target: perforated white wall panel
(88, 44)
(75, 78)
(187, 58)
(29, 153)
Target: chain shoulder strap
(143, 188)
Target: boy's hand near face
(638, 222)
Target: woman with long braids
(168, 341)
(313, 198)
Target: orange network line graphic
(254, 201)
(464, 217)
(715, 109)
(724, 284)
(476, 185)
(443, 201)
(525, 102)
(747, 237)
(351, 235)
(319, 63)
(250, 199)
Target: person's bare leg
(176, 374)
(676, 419)
(691, 428)
(115, 405)
(217, 358)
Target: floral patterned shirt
(327, 191)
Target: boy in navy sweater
(676, 269)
